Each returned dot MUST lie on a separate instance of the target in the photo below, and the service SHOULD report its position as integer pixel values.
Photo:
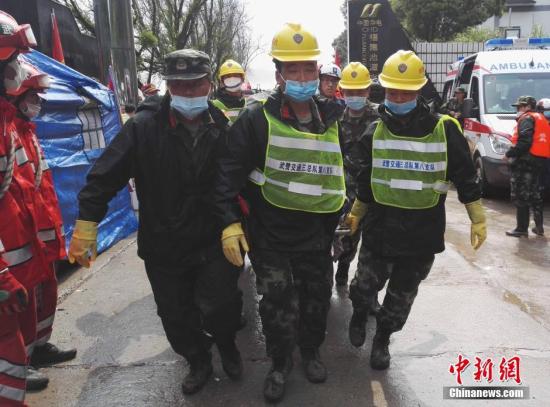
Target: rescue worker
(527, 157)
(454, 106)
(229, 96)
(543, 107)
(359, 113)
(287, 146)
(329, 77)
(405, 162)
(20, 250)
(170, 150)
(49, 222)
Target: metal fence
(438, 56)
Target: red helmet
(14, 37)
(34, 79)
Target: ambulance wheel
(481, 179)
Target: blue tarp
(79, 117)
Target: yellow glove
(353, 219)
(83, 247)
(233, 240)
(478, 231)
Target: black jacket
(228, 100)
(391, 231)
(269, 227)
(174, 174)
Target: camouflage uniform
(398, 245)
(289, 249)
(352, 129)
(526, 186)
(372, 274)
(295, 290)
(527, 190)
(452, 107)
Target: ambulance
(494, 79)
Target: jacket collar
(324, 112)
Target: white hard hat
(331, 69)
(543, 104)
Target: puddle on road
(513, 299)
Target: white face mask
(20, 75)
(232, 83)
(30, 110)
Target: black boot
(539, 226)
(380, 354)
(357, 328)
(342, 274)
(538, 230)
(315, 370)
(50, 354)
(231, 359)
(36, 380)
(200, 369)
(522, 218)
(274, 384)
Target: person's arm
(110, 173)
(526, 130)
(462, 173)
(238, 155)
(461, 169)
(361, 164)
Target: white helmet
(543, 104)
(330, 69)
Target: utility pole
(123, 51)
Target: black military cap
(526, 101)
(186, 64)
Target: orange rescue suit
(541, 136)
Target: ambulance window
(474, 91)
(501, 90)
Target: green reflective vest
(230, 112)
(409, 172)
(303, 171)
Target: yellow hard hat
(230, 67)
(403, 70)
(355, 76)
(293, 43)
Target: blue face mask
(400, 109)
(356, 102)
(301, 91)
(547, 114)
(189, 107)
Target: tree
(441, 20)
(218, 27)
(340, 43)
(476, 34)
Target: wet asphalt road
(491, 303)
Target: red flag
(57, 48)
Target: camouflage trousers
(527, 190)
(404, 275)
(296, 290)
(345, 248)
